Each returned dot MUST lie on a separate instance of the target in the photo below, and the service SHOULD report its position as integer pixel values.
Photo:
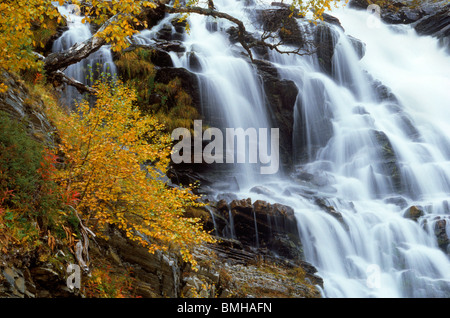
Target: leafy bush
(116, 157)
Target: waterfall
(374, 153)
(370, 153)
(90, 67)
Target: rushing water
(373, 158)
(90, 67)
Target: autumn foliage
(116, 158)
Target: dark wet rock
(332, 20)
(171, 46)
(401, 15)
(323, 204)
(399, 201)
(358, 4)
(396, 12)
(189, 81)
(152, 17)
(228, 197)
(389, 163)
(261, 225)
(358, 45)
(173, 31)
(441, 234)
(179, 25)
(383, 93)
(408, 127)
(436, 24)
(211, 26)
(303, 175)
(233, 33)
(428, 18)
(325, 39)
(262, 190)
(393, 108)
(194, 63)
(281, 98)
(161, 58)
(166, 33)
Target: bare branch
(215, 14)
(59, 60)
(60, 78)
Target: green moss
(169, 102)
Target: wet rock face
(388, 164)
(281, 97)
(325, 40)
(262, 225)
(436, 24)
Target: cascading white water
(352, 140)
(377, 242)
(90, 67)
(231, 93)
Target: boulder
(262, 190)
(161, 58)
(194, 63)
(358, 4)
(413, 213)
(398, 201)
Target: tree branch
(59, 60)
(215, 14)
(55, 62)
(60, 78)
